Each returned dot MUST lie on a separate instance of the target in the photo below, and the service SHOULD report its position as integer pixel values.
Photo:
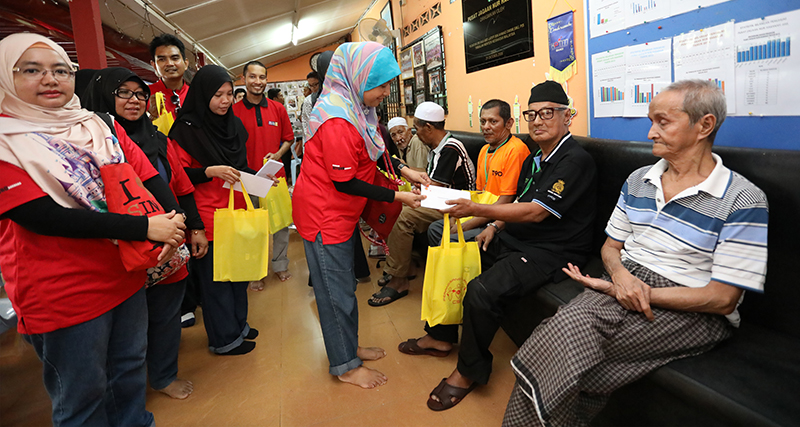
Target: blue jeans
(224, 305)
(94, 371)
(164, 332)
(331, 270)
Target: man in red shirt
(270, 136)
(169, 60)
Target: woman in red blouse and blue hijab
(338, 172)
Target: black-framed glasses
(128, 94)
(35, 73)
(546, 113)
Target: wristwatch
(496, 228)
(401, 166)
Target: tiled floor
(285, 380)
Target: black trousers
(507, 276)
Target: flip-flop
(411, 347)
(386, 292)
(445, 392)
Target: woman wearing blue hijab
(338, 172)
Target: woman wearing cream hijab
(84, 314)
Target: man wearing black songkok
(525, 246)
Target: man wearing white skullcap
(449, 165)
(412, 151)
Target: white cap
(397, 121)
(430, 112)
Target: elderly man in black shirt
(549, 224)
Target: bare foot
(363, 377)
(178, 389)
(370, 353)
(257, 286)
(428, 342)
(458, 380)
(283, 275)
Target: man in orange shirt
(498, 168)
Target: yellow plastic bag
(164, 121)
(241, 242)
(482, 197)
(448, 270)
(279, 205)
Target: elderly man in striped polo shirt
(685, 240)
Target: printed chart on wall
(708, 54)
(606, 16)
(641, 11)
(648, 69)
(766, 67)
(608, 83)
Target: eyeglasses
(545, 113)
(128, 94)
(33, 73)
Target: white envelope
(270, 168)
(436, 196)
(256, 185)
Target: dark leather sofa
(753, 379)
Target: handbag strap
(376, 242)
(247, 200)
(390, 168)
(446, 231)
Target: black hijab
(209, 138)
(99, 97)
(323, 62)
(82, 79)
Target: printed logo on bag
(555, 192)
(144, 207)
(382, 218)
(454, 292)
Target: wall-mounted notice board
(657, 50)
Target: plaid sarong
(592, 346)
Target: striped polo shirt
(716, 230)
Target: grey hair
(701, 97)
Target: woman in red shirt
(120, 92)
(211, 146)
(338, 172)
(84, 314)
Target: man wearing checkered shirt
(686, 238)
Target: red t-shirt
(268, 126)
(335, 153)
(210, 195)
(57, 282)
(180, 185)
(159, 86)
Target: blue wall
(781, 132)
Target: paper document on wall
(708, 54)
(648, 69)
(436, 196)
(608, 78)
(256, 185)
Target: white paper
(270, 168)
(606, 16)
(683, 6)
(608, 83)
(648, 69)
(642, 11)
(256, 185)
(436, 196)
(767, 67)
(708, 54)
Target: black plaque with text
(496, 32)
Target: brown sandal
(445, 392)
(411, 347)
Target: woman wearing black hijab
(212, 150)
(121, 93)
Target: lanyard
(489, 160)
(536, 166)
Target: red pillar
(88, 32)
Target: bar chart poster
(642, 11)
(648, 69)
(606, 16)
(768, 66)
(608, 83)
(708, 54)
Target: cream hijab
(61, 149)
